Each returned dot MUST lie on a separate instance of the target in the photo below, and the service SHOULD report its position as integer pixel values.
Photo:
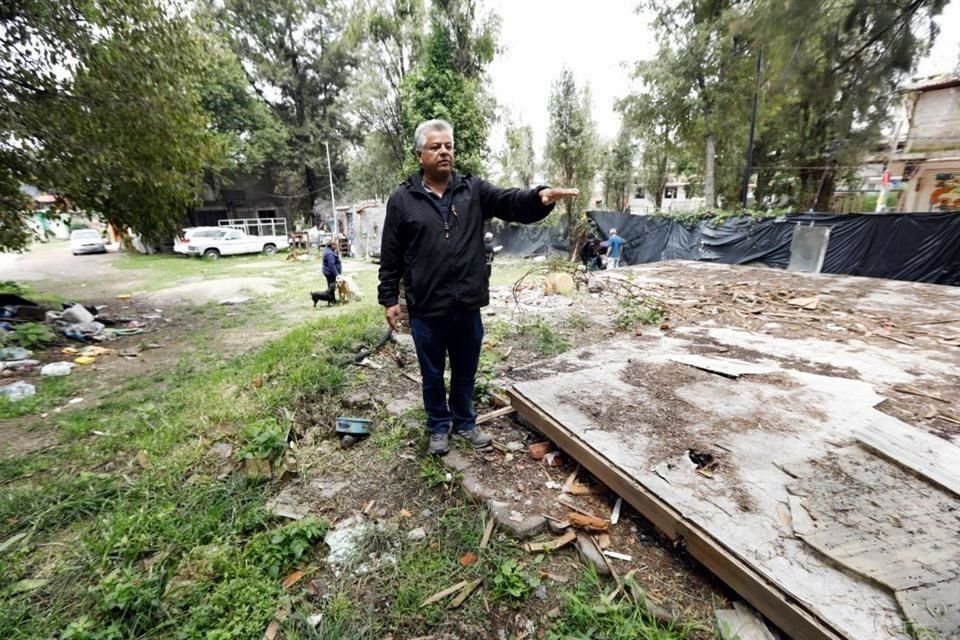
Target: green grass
(546, 340)
(166, 551)
(588, 613)
(50, 392)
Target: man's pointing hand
(549, 196)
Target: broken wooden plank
(932, 458)
(785, 612)
(741, 623)
(487, 531)
(551, 545)
(464, 594)
(724, 366)
(913, 391)
(590, 523)
(440, 595)
(493, 415)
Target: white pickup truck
(230, 242)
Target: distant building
(922, 155)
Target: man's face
(436, 156)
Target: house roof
(931, 83)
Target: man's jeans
(459, 334)
(613, 263)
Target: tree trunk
(709, 182)
(825, 191)
(313, 185)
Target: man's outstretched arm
(520, 205)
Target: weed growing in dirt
(512, 582)
(434, 473)
(264, 439)
(546, 340)
(635, 311)
(588, 613)
(277, 549)
(30, 335)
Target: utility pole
(333, 202)
(753, 126)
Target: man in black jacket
(433, 242)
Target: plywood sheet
(640, 414)
(930, 457)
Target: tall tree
(830, 86)
(300, 57)
(448, 83)
(392, 48)
(705, 59)
(518, 160)
(571, 152)
(99, 102)
(370, 174)
(618, 171)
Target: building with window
(922, 156)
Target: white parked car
(181, 243)
(234, 242)
(87, 241)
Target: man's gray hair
(420, 135)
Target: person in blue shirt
(332, 267)
(614, 250)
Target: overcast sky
(598, 40)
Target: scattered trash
(84, 360)
(234, 301)
(417, 534)
(468, 559)
(15, 353)
(18, 391)
(57, 369)
(352, 430)
(615, 514)
(550, 484)
(77, 314)
(75, 401)
(123, 296)
(538, 450)
(314, 619)
(18, 365)
(515, 446)
(553, 459)
(617, 556)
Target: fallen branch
(440, 595)
(487, 532)
(913, 391)
(487, 417)
(590, 523)
(467, 590)
(551, 545)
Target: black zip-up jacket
(443, 265)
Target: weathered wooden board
(880, 521)
(927, 455)
(741, 623)
(632, 417)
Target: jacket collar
(415, 182)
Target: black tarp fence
(919, 247)
(528, 239)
